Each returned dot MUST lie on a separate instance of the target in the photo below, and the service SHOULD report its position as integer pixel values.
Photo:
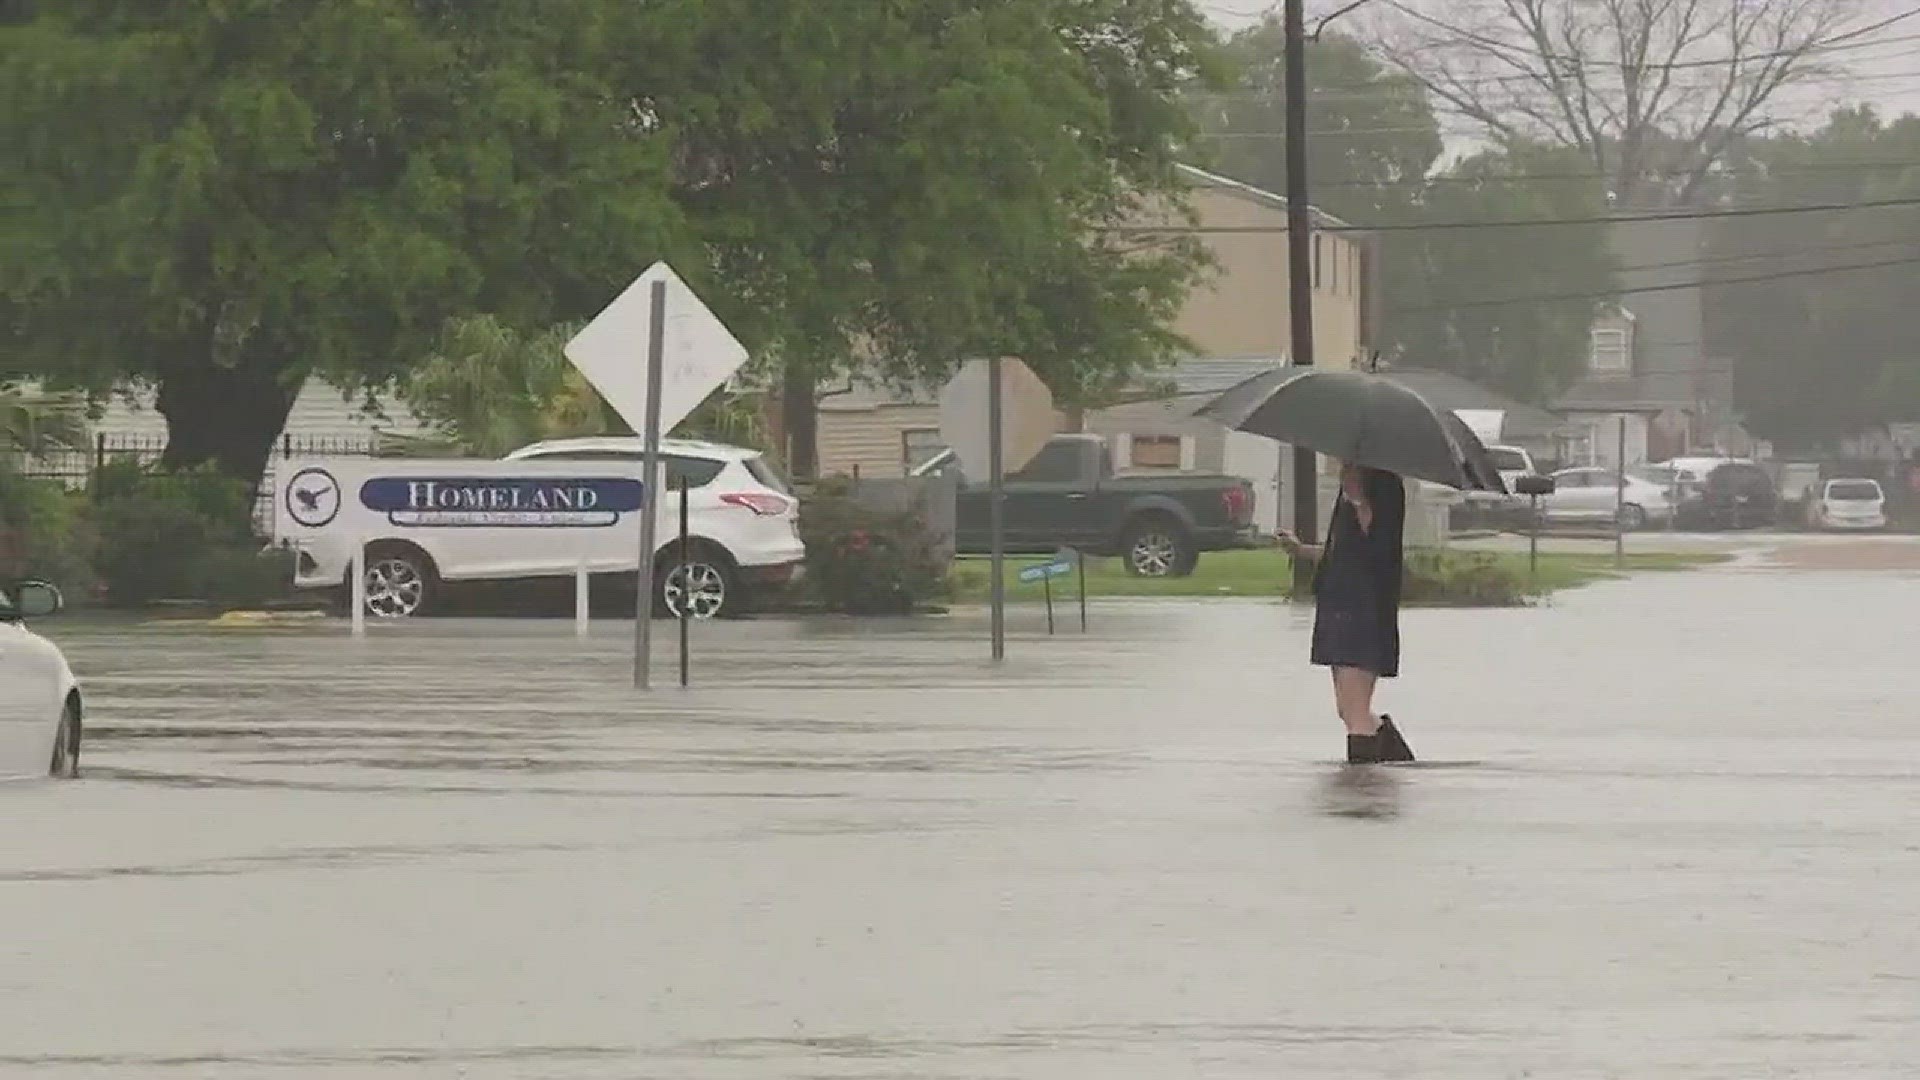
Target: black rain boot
(1363, 749)
(1392, 746)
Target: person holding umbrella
(1356, 590)
(1381, 431)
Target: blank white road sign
(700, 354)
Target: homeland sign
(501, 502)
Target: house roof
(1199, 177)
(1449, 391)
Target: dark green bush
(166, 536)
(865, 561)
(45, 533)
(1462, 578)
(1457, 579)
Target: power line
(1839, 168)
(1755, 211)
(1709, 283)
(1843, 42)
(1395, 85)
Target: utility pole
(1306, 478)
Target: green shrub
(865, 561)
(1457, 579)
(165, 536)
(45, 533)
(1461, 578)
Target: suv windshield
(1854, 491)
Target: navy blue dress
(1356, 587)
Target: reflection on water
(1362, 791)
(1650, 845)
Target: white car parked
(1593, 494)
(1850, 504)
(547, 510)
(40, 711)
(744, 522)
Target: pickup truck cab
(1069, 495)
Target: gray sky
(1885, 69)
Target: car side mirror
(37, 599)
(1534, 485)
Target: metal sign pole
(996, 510)
(650, 503)
(686, 589)
(1620, 500)
(1080, 563)
(1046, 584)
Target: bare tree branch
(1654, 92)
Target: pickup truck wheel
(1158, 547)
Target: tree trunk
(226, 417)
(800, 423)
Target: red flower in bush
(857, 541)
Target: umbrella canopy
(1363, 418)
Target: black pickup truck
(1068, 495)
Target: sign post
(686, 590)
(996, 509)
(649, 471)
(1064, 562)
(689, 354)
(996, 415)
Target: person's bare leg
(1353, 696)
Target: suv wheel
(706, 583)
(401, 583)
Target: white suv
(743, 520)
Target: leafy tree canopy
(221, 197)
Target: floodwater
(1672, 829)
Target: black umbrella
(1363, 418)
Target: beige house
(1237, 320)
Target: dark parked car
(1068, 495)
(1729, 495)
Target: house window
(1316, 261)
(918, 446)
(1609, 352)
(1156, 451)
(1333, 270)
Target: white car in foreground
(547, 511)
(39, 698)
(1850, 504)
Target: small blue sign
(1059, 567)
(502, 502)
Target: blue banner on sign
(502, 502)
(1057, 568)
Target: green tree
(1825, 346)
(1510, 307)
(490, 389)
(222, 197)
(891, 188)
(1458, 299)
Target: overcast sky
(1886, 72)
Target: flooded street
(1670, 828)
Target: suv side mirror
(37, 599)
(1534, 485)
